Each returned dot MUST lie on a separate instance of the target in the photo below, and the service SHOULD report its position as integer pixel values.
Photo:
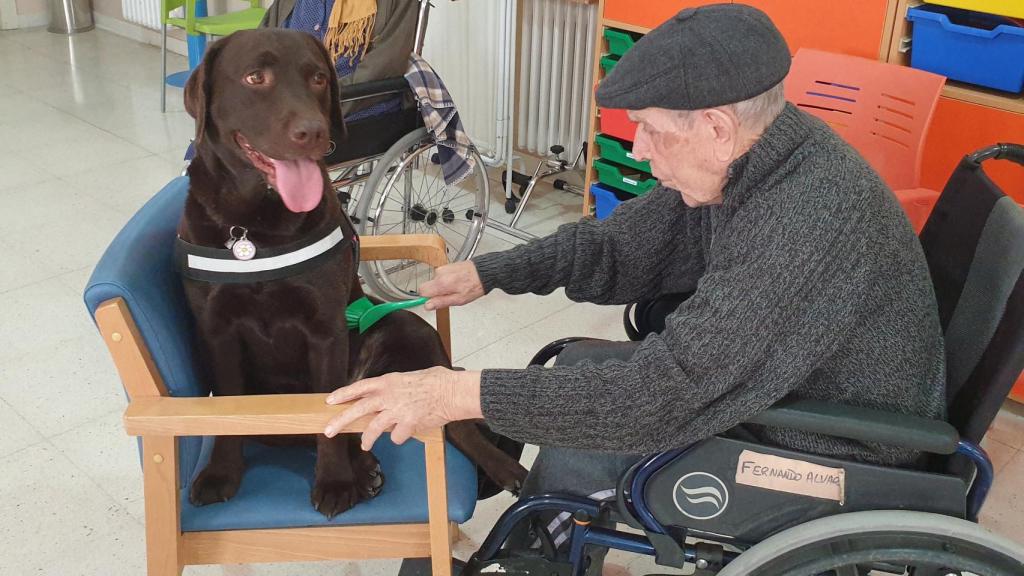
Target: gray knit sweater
(810, 284)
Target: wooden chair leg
(163, 519)
(437, 507)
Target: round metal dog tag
(243, 249)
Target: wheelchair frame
(669, 544)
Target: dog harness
(242, 262)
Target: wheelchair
(700, 507)
(387, 172)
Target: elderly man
(809, 281)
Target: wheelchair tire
(459, 215)
(861, 543)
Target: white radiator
(142, 12)
(556, 61)
(467, 42)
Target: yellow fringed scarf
(350, 27)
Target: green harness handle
(363, 313)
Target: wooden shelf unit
(899, 54)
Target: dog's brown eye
(255, 78)
(320, 78)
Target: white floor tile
(517, 348)
(57, 521)
(497, 315)
(18, 109)
(76, 280)
(19, 269)
(61, 387)
(365, 568)
(73, 240)
(45, 204)
(109, 457)
(1004, 509)
(17, 434)
(18, 170)
(999, 453)
(1008, 426)
(128, 185)
(39, 317)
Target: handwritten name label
(791, 476)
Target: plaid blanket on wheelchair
(442, 119)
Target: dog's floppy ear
(335, 118)
(198, 88)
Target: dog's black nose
(306, 132)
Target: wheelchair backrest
(974, 243)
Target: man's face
(681, 153)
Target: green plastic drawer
(608, 62)
(619, 42)
(622, 178)
(618, 151)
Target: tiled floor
(82, 145)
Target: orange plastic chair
(882, 110)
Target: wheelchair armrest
(374, 88)
(863, 424)
(256, 415)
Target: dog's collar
(218, 265)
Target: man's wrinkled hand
(453, 285)
(407, 403)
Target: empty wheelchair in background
(387, 172)
(697, 506)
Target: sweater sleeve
(783, 287)
(613, 261)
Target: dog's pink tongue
(299, 182)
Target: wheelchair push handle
(1003, 151)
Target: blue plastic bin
(971, 47)
(606, 199)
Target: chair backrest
(168, 6)
(974, 244)
(882, 110)
(138, 266)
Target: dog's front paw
(331, 497)
(369, 477)
(213, 486)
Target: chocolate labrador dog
(269, 261)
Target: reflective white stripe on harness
(270, 263)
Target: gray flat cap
(701, 58)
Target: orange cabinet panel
(959, 128)
(647, 13)
(851, 27)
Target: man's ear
(725, 132)
(198, 92)
(334, 114)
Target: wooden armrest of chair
(239, 416)
(426, 248)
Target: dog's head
(265, 100)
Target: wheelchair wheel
(881, 543)
(407, 194)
